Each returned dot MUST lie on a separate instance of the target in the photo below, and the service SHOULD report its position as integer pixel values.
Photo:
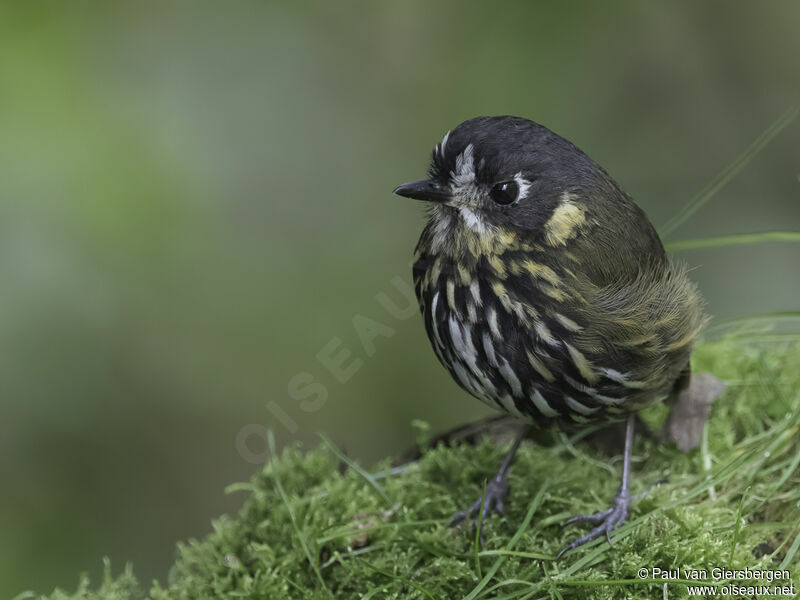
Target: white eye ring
(524, 186)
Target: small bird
(545, 291)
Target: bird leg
(616, 514)
(496, 489)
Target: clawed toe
(492, 502)
(594, 518)
(609, 519)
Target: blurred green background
(195, 199)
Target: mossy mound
(313, 529)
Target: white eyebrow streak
(465, 168)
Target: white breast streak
(467, 381)
(511, 377)
(508, 403)
(542, 405)
(578, 407)
(492, 317)
(434, 304)
(465, 349)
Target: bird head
(494, 175)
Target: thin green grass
(537, 500)
(744, 239)
(353, 465)
(477, 547)
(293, 519)
(729, 172)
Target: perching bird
(545, 290)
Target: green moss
(307, 530)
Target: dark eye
(505, 192)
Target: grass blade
(535, 503)
(301, 538)
(787, 560)
(517, 553)
(477, 547)
(353, 465)
(729, 172)
(768, 320)
(733, 240)
(738, 527)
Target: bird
(546, 292)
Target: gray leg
(611, 517)
(496, 489)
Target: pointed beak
(424, 189)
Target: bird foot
(609, 519)
(496, 491)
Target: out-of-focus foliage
(195, 201)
